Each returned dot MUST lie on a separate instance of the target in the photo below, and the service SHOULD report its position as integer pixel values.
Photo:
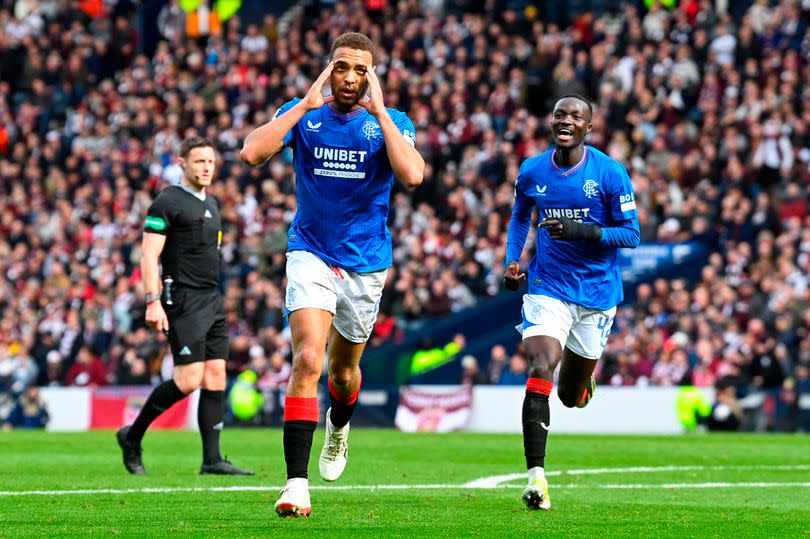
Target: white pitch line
(496, 480)
(172, 490)
(493, 482)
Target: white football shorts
(353, 298)
(582, 330)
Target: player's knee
(341, 376)
(307, 364)
(541, 368)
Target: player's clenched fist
(512, 278)
(315, 98)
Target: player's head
(353, 56)
(571, 120)
(197, 158)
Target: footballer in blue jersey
(349, 148)
(587, 211)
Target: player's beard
(348, 104)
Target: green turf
(581, 506)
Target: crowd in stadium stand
(709, 112)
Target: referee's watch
(150, 297)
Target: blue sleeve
(621, 203)
(625, 235)
(405, 126)
(288, 138)
(520, 222)
(620, 199)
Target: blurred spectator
(517, 373)
(471, 373)
(88, 370)
(726, 412)
(29, 412)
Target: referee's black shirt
(193, 233)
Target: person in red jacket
(88, 370)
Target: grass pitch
(406, 485)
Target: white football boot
(535, 496)
(335, 452)
(294, 500)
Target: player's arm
(519, 225)
(624, 230)
(407, 164)
(155, 230)
(266, 141)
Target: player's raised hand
(315, 98)
(512, 278)
(374, 103)
(156, 317)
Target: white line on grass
(493, 482)
(172, 490)
(496, 480)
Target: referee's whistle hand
(156, 317)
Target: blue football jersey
(596, 191)
(343, 183)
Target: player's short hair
(189, 143)
(579, 97)
(353, 40)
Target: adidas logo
(208, 213)
(185, 351)
(313, 127)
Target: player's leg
(358, 301)
(543, 353)
(546, 322)
(575, 386)
(310, 328)
(585, 345)
(344, 387)
(188, 352)
(211, 409)
(311, 301)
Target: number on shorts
(604, 325)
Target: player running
(348, 150)
(588, 212)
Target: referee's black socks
(161, 399)
(210, 415)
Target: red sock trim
(348, 400)
(301, 409)
(538, 385)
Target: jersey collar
(192, 192)
(349, 114)
(572, 169)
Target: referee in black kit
(183, 229)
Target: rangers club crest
(590, 188)
(371, 130)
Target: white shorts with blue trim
(582, 330)
(353, 298)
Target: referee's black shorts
(197, 330)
